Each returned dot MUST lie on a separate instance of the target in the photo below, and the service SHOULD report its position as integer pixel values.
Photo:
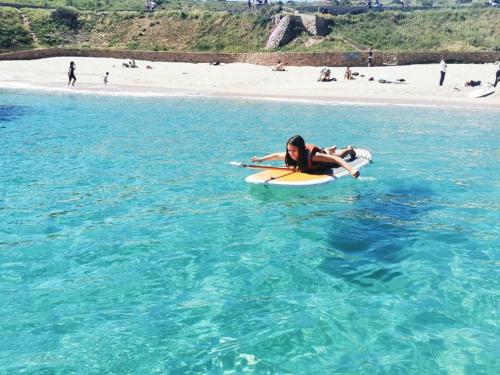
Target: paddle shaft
(259, 166)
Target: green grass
(132, 5)
(85, 4)
(469, 29)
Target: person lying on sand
(472, 83)
(399, 80)
(309, 158)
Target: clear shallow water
(129, 245)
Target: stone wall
(282, 33)
(314, 25)
(266, 58)
(288, 26)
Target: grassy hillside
(467, 29)
(85, 4)
(132, 5)
(198, 29)
(195, 30)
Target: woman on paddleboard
(310, 158)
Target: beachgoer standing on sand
(497, 77)
(370, 58)
(442, 66)
(106, 78)
(348, 74)
(71, 73)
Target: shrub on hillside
(66, 16)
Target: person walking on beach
(497, 76)
(442, 66)
(71, 73)
(106, 78)
(370, 58)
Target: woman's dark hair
(301, 163)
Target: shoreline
(252, 82)
(132, 91)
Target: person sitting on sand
(132, 64)
(71, 73)
(324, 76)
(149, 67)
(348, 74)
(279, 67)
(310, 158)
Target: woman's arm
(275, 156)
(328, 158)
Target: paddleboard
(287, 177)
(481, 93)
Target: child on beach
(309, 158)
(106, 78)
(71, 73)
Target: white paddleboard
(481, 93)
(287, 177)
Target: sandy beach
(253, 81)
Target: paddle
(259, 166)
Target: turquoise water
(128, 244)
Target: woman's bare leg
(343, 152)
(331, 150)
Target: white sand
(246, 80)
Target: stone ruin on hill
(289, 26)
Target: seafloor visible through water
(128, 244)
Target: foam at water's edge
(179, 94)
